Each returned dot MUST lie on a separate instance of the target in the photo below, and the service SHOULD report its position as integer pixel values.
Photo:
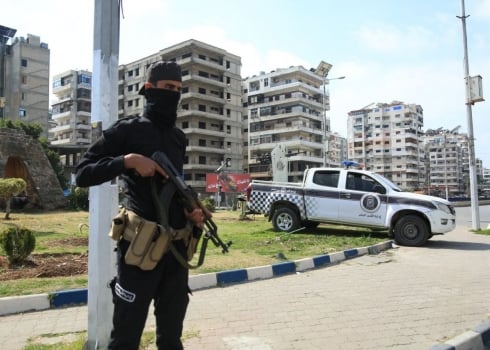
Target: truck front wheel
(285, 219)
(411, 230)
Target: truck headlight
(445, 208)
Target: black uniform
(133, 289)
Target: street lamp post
(324, 121)
(475, 214)
(445, 168)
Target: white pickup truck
(351, 197)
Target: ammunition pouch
(149, 240)
(118, 225)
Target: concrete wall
(22, 156)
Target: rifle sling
(162, 203)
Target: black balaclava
(161, 104)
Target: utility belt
(150, 241)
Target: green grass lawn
(254, 244)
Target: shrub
(18, 244)
(78, 198)
(208, 203)
(9, 188)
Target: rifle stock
(190, 200)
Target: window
(360, 182)
(202, 143)
(326, 178)
(23, 62)
(202, 125)
(84, 79)
(202, 160)
(202, 91)
(185, 125)
(266, 82)
(202, 108)
(24, 79)
(22, 113)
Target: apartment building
(388, 139)
(24, 75)
(336, 150)
(210, 112)
(446, 175)
(448, 163)
(285, 106)
(71, 108)
(71, 132)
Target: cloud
(433, 85)
(390, 39)
(254, 60)
(483, 9)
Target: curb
(74, 297)
(476, 339)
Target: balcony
(205, 80)
(203, 97)
(201, 114)
(208, 132)
(205, 149)
(82, 126)
(60, 128)
(84, 114)
(208, 63)
(62, 88)
(62, 115)
(293, 87)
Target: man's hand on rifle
(144, 166)
(196, 216)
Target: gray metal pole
(324, 123)
(103, 198)
(475, 213)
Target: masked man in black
(124, 151)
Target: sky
(409, 51)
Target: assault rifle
(188, 196)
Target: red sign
(230, 183)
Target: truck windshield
(386, 182)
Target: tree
(9, 188)
(54, 160)
(32, 129)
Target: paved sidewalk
(404, 298)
